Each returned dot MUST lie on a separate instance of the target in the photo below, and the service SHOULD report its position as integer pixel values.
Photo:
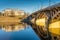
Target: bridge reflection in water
(46, 22)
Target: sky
(28, 6)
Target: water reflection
(14, 32)
(12, 27)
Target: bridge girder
(49, 12)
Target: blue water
(26, 34)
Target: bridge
(43, 30)
(45, 22)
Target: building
(14, 12)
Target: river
(26, 34)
